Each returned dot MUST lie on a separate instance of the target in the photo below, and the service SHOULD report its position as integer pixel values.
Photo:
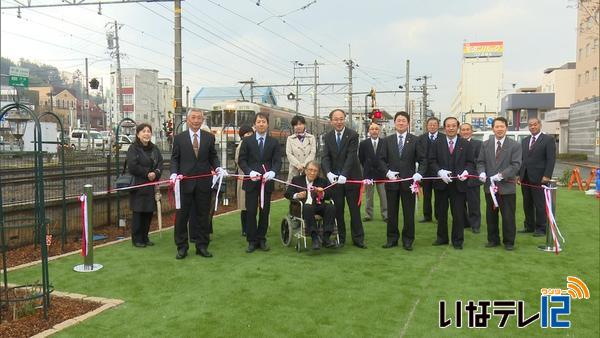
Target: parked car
(125, 141)
(515, 135)
(79, 140)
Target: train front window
(229, 117)
(215, 118)
(245, 117)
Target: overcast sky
(226, 41)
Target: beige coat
(299, 152)
(240, 193)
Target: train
(225, 118)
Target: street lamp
(17, 122)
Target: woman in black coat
(145, 164)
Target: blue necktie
(261, 146)
(338, 140)
(400, 145)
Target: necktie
(338, 140)
(498, 149)
(400, 145)
(196, 145)
(431, 138)
(451, 146)
(532, 142)
(374, 146)
(261, 146)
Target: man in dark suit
(501, 157)
(260, 157)
(472, 215)
(539, 155)
(340, 162)
(427, 140)
(194, 154)
(401, 151)
(451, 156)
(368, 155)
(312, 204)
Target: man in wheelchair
(313, 203)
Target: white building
(140, 97)
(561, 82)
(166, 94)
(480, 85)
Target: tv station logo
(555, 307)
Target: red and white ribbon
(177, 191)
(553, 226)
(493, 191)
(220, 180)
(84, 225)
(414, 188)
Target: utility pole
(316, 108)
(87, 108)
(251, 83)
(177, 104)
(119, 75)
(407, 86)
(297, 98)
(424, 111)
(350, 63)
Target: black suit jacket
(460, 160)
(539, 161)
(476, 147)
(183, 160)
(249, 159)
(413, 152)
(345, 161)
(369, 159)
(426, 143)
(300, 180)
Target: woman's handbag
(125, 179)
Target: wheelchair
(293, 227)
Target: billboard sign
(483, 49)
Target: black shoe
(407, 247)
(525, 231)
(203, 252)
(139, 245)
(328, 243)
(385, 219)
(539, 234)
(367, 219)
(389, 245)
(181, 253)
(149, 243)
(509, 247)
(437, 243)
(491, 245)
(476, 230)
(263, 245)
(360, 245)
(251, 248)
(243, 234)
(426, 220)
(316, 245)
(458, 246)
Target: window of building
(595, 74)
(524, 116)
(595, 44)
(127, 99)
(579, 54)
(587, 76)
(126, 81)
(587, 49)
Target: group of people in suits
(458, 163)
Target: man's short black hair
(262, 115)
(451, 118)
(402, 113)
(337, 109)
(298, 119)
(501, 119)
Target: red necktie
(451, 146)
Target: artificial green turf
(332, 293)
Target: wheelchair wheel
(286, 231)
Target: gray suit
(507, 162)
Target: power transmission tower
(351, 65)
(177, 102)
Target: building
(480, 85)
(584, 114)
(207, 96)
(561, 82)
(525, 104)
